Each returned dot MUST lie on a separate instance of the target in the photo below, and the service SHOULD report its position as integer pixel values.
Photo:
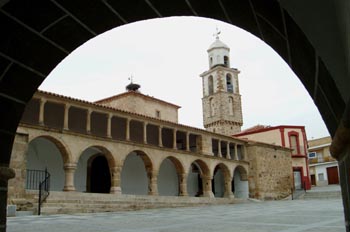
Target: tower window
(226, 61)
(229, 84)
(210, 85)
(211, 61)
(211, 105)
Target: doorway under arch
(99, 176)
(240, 186)
(195, 186)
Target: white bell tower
(222, 108)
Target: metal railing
(44, 190)
(39, 180)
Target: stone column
(6, 173)
(88, 121)
(109, 127)
(160, 142)
(187, 141)
(66, 117)
(183, 184)
(41, 111)
(152, 183)
(145, 132)
(236, 153)
(207, 189)
(69, 170)
(174, 139)
(219, 148)
(228, 189)
(116, 180)
(127, 132)
(228, 155)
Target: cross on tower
(217, 33)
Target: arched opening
(195, 181)
(212, 107)
(240, 186)
(93, 170)
(210, 85)
(100, 176)
(220, 177)
(229, 83)
(45, 153)
(169, 176)
(263, 20)
(135, 173)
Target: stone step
(322, 195)
(75, 202)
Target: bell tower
(222, 108)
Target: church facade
(132, 145)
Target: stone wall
(270, 171)
(16, 186)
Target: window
(229, 84)
(320, 177)
(312, 155)
(210, 85)
(294, 142)
(157, 114)
(226, 61)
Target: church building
(128, 151)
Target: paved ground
(285, 216)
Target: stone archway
(198, 179)
(93, 171)
(240, 186)
(46, 153)
(137, 174)
(221, 181)
(99, 176)
(170, 176)
(286, 26)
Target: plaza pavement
(269, 216)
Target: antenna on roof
(132, 87)
(131, 78)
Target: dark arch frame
(45, 32)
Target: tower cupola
(218, 53)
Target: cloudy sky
(166, 57)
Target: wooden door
(332, 174)
(313, 179)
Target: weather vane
(217, 33)
(131, 78)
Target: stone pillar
(183, 184)
(66, 117)
(145, 132)
(174, 139)
(88, 121)
(109, 127)
(41, 111)
(187, 141)
(228, 155)
(236, 153)
(127, 132)
(116, 180)
(5, 174)
(219, 148)
(152, 183)
(160, 141)
(69, 170)
(228, 188)
(207, 189)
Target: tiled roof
(109, 99)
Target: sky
(166, 56)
